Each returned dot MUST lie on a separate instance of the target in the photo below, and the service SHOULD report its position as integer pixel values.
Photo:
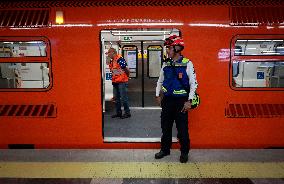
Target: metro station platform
(130, 166)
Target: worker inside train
(120, 76)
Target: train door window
(24, 63)
(130, 53)
(155, 54)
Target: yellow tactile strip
(141, 170)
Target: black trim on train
(21, 146)
(168, 3)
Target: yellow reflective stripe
(180, 64)
(164, 89)
(168, 63)
(183, 63)
(179, 92)
(185, 60)
(176, 64)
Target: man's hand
(158, 99)
(186, 106)
(127, 72)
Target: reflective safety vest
(176, 81)
(118, 74)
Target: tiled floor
(138, 166)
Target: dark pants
(121, 97)
(171, 111)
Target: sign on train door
(130, 54)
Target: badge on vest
(180, 75)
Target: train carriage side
(241, 95)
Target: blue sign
(260, 75)
(108, 76)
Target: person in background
(120, 76)
(178, 83)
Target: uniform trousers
(121, 97)
(171, 112)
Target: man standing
(120, 75)
(178, 83)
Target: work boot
(161, 154)
(116, 116)
(183, 158)
(126, 115)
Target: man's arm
(160, 81)
(193, 86)
(123, 64)
(159, 85)
(126, 70)
(192, 80)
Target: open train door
(143, 50)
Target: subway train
(56, 89)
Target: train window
(258, 74)
(259, 47)
(25, 64)
(24, 75)
(22, 48)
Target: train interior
(144, 51)
(258, 73)
(24, 74)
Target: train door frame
(142, 39)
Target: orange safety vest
(118, 74)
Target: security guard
(178, 83)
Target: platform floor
(127, 166)
(144, 124)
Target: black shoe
(161, 154)
(116, 116)
(183, 158)
(125, 116)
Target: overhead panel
(132, 35)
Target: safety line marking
(141, 170)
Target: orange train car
(55, 86)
